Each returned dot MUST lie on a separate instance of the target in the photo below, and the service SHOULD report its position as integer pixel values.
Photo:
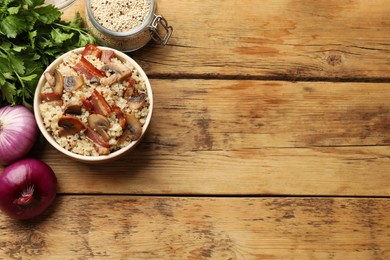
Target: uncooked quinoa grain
(129, 43)
(120, 15)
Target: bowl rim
(84, 158)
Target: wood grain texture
(284, 39)
(250, 137)
(319, 171)
(235, 123)
(121, 227)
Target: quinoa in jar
(126, 25)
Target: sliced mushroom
(137, 102)
(100, 125)
(133, 129)
(59, 82)
(112, 68)
(74, 108)
(56, 82)
(99, 103)
(50, 78)
(115, 72)
(72, 83)
(70, 125)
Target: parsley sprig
(32, 35)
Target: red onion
(18, 133)
(27, 188)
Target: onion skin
(27, 188)
(18, 133)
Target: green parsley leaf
(33, 3)
(13, 25)
(8, 91)
(47, 14)
(14, 9)
(84, 39)
(59, 36)
(16, 62)
(32, 35)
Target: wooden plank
(274, 39)
(250, 137)
(121, 227)
(232, 115)
(156, 169)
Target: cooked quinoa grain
(120, 15)
(94, 110)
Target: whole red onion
(18, 133)
(27, 188)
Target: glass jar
(152, 26)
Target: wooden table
(270, 140)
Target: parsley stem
(21, 82)
(81, 31)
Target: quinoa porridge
(94, 103)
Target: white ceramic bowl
(83, 158)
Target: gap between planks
(246, 196)
(265, 78)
